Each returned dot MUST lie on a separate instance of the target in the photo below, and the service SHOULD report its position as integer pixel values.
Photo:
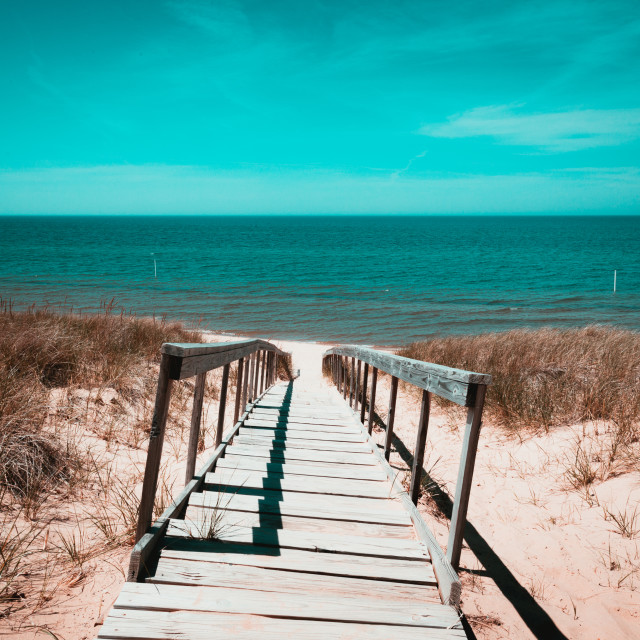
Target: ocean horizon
(386, 280)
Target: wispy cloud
(197, 189)
(553, 132)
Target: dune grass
(548, 377)
(41, 350)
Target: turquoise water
(367, 279)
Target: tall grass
(40, 350)
(548, 377)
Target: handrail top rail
(186, 349)
(450, 373)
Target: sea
(381, 280)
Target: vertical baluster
(365, 380)
(352, 380)
(236, 411)
(246, 386)
(356, 394)
(418, 455)
(344, 377)
(223, 402)
(194, 433)
(372, 399)
(154, 451)
(465, 477)
(256, 366)
(263, 357)
(391, 417)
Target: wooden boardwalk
(298, 533)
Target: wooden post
(236, 411)
(352, 377)
(263, 372)
(465, 477)
(339, 369)
(418, 454)
(223, 402)
(245, 387)
(344, 377)
(256, 366)
(275, 368)
(365, 380)
(356, 395)
(372, 399)
(194, 433)
(154, 451)
(391, 417)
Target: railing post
(352, 380)
(154, 452)
(344, 377)
(465, 476)
(391, 417)
(418, 454)
(372, 399)
(194, 433)
(356, 395)
(236, 411)
(223, 402)
(263, 370)
(246, 388)
(254, 386)
(365, 380)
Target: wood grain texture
(302, 484)
(372, 399)
(161, 597)
(329, 564)
(222, 404)
(391, 416)
(292, 504)
(194, 433)
(136, 624)
(454, 384)
(317, 541)
(323, 470)
(418, 452)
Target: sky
(194, 106)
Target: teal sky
(320, 107)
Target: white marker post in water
(615, 277)
(155, 268)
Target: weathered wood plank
(418, 453)
(249, 439)
(292, 504)
(303, 454)
(454, 384)
(330, 564)
(194, 433)
(340, 434)
(125, 624)
(170, 571)
(325, 470)
(391, 416)
(161, 597)
(293, 523)
(224, 478)
(318, 541)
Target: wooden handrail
(180, 361)
(466, 388)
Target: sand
(540, 559)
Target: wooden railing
(257, 371)
(465, 388)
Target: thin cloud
(555, 132)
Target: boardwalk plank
(278, 521)
(295, 443)
(161, 597)
(331, 564)
(130, 624)
(360, 472)
(228, 479)
(318, 540)
(306, 505)
(310, 455)
(171, 571)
